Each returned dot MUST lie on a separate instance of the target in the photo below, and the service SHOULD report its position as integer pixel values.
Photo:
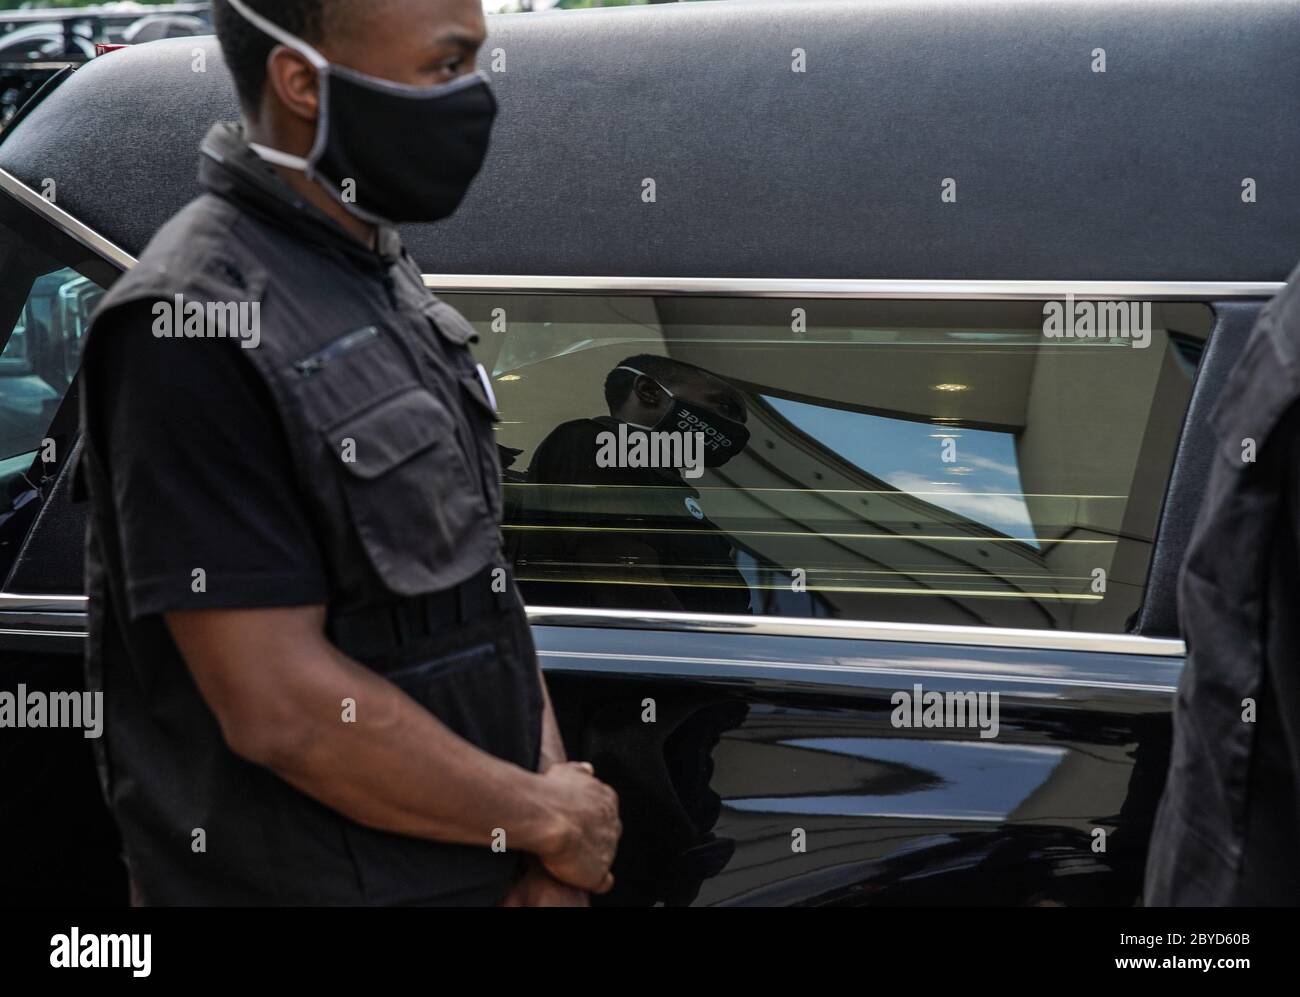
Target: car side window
(935, 462)
(50, 289)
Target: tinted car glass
(51, 285)
(938, 462)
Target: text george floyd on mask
(723, 437)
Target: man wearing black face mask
(648, 541)
(320, 683)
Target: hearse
(858, 215)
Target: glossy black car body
(1123, 185)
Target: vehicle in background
(36, 44)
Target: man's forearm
(398, 768)
(552, 750)
(349, 738)
(390, 765)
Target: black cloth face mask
(723, 437)
(412, 152)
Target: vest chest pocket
(409, 491)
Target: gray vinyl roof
(1061, 172)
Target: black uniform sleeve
(208, 511)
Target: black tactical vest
(391, 433)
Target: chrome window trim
(825, 673)
(66, 616)
(65, 222)
(957, 290)
(866, 630)
(44, 615)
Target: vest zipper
(315, 362)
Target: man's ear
(647, 390)
(293, 83)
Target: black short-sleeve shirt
(206, 515)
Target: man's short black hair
(246, 47)
(668, 372)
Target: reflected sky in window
(983, 484)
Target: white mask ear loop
(322, 65)
(277, 158)
(644, 374)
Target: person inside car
(648, 528)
